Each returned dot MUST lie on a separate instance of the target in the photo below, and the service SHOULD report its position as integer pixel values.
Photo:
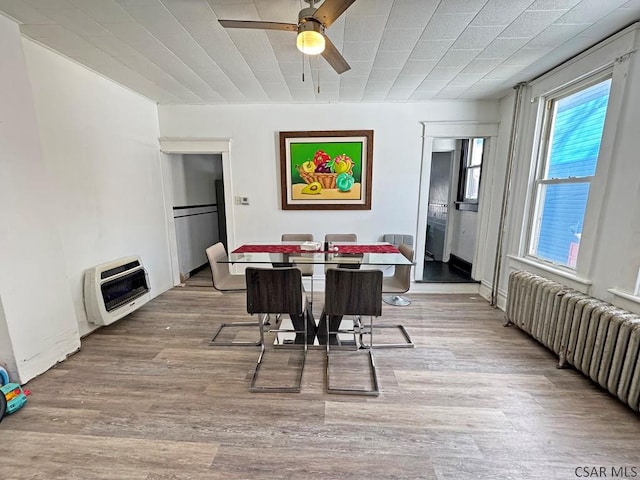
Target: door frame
(431, 131)
(190, 145)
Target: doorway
(198, 208)
(443, 262)
(451, 235)
(201, 146)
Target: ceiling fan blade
(260, 25)
(330, 10)
(334, 57)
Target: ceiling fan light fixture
(310, 39)
(312, 23)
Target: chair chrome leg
(292, 389)
(396, 300)
(407, 344)
(349, 344)
(375, 389)
(231, 343)
(298, 383)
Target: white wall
(81, 184)
(7, 357)
(492, 188)
(463, 242)
(616, 258)
(39, 317)
(100, 145)
(193, 178)
(255, 161)
(610, 257)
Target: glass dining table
(337, 254)
(331, 253)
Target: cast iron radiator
(598, 339)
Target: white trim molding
(625, 295)
(454, 129)
(556, 274)
(625, 300)
(194, 145)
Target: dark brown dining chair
(357, 293)
(279, 291)
(225, 281)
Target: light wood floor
(148, 398)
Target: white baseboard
(485, 292)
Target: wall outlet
(241, 200)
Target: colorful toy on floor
(12, 396)
(15, 396)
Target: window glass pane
(472, 183)
(577, 131)
(476, 152)
(560, 225)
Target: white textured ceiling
(176, 52)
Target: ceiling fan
(311, 25)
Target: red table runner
(296, 249)
(367, 249)
(269, 249)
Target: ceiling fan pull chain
(318, 73)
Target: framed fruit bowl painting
(326, 170)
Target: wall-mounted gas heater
(115, 289)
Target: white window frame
(612, 53)
(467, 170)
(546, 127)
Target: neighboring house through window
(572, 129)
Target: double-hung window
(572, 129)
(470, 169)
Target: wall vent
(115, 289)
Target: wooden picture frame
(326, 170)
